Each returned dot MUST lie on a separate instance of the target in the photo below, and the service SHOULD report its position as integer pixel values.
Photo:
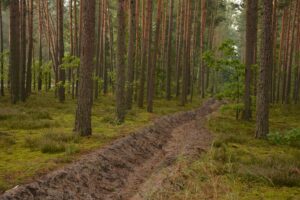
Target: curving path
(130, 167)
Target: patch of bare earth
(131, 167)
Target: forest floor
(238, 166)
(36, 136)
(182, 157)
(118, 171)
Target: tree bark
(85, 87)
(291, 56)
(202, 34)
(151, 89)
(131, 54)
(263, 93)
(1, 52)
(30, 49)
(120, 79)
(169, 51)
(60, 40)
(14, 50)
(23, 51)
(251, 38)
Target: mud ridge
(116, 171)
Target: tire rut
(122, 170)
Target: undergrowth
(36, 136)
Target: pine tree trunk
(85, 89)
(291, 56)
(151, 89)
(274, 68)
(263, 93)
(1, 52)
(251, 34)
(131, 54)
(23, 51)
(286, 56)
(96, 84)
(297, 63)
(15, 50)
(60, 40)
(30, 49)
(40, 47)
(179, 47)
(145, 47)
(185, 72)
(137, 50)
(120, 79)
(169, 51)
(70, 71)
(281, 57)
(202, 36)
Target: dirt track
(127, 168)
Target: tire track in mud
(123, 170)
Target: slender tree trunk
(104, 58)
(169, 51)
(286, 56)
(23, 51)
(14, 50)
(30, 49)
(251, 34)
(263, 93)
(151, 89)
(70, 70)
(40, 47)
(297, 63)
(145, 48)
(281, 57)
(274, 69)
(194, 47)
(76, 46)
(137, 49)
(85, 89)
(120, 80)
(131, 54)
(291, 56)
(60, 38)
(185, 72)
(179, 47)
(1, 52)
(202, 34)
(96, 84)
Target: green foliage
(291, 137)
(230, 68)
(5, 57)
(231, 72)
(70, 62)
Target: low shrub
(291, 137)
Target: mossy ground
(36, 136)
(238, 166)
